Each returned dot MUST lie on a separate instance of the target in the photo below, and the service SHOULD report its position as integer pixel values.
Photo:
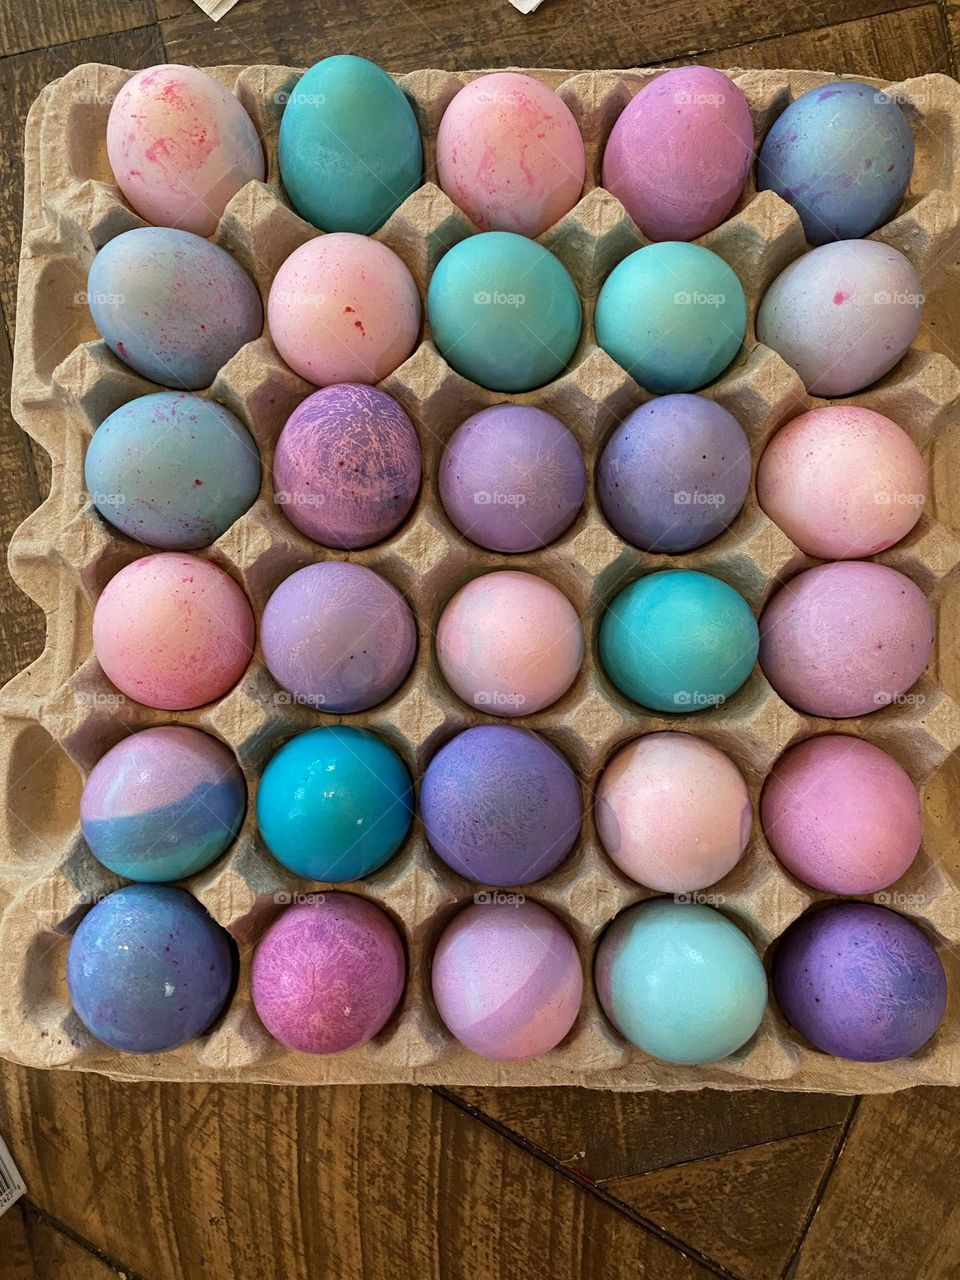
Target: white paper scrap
(12, 1186)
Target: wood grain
(43, 23)
(16, 1260)
(56, 1256)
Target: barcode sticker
(12, 1185)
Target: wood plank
(49, 22)
(15, 1253)
(58, 1257)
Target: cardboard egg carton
(61, 714)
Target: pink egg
(173, 631)
(673, 812)
(507, 979)
(842, 482)
(509, 643)
(181, 146)
(343, 308)
(841, 814)
(510, 154)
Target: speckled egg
(328, 974)
(859, 981)
(673, 812)
(512, 478)
(503, 311)
(172, 470)
(347, 466)
(163, 803)
(509, 643)
(842, 482)
(842, 315)
(680, 981)
(674, 474)
(343, 308)
(510, 154)
(500, 805)
(173, 631)
(171, 305)
(148, 969)
(678, 641)
(507, 979)
(338, 637)
(181, 146)
(679, 154)
(672, 315)
(844, 639)
(841, 815)
(842, 155)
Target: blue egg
(679, 641)
(673, 315)
(842, 155)
(680, 981)
(334, 804)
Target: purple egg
(512, 478)
(860, 982)
(347, 466)
(500, 805)
(328, 974)
(674, 473)
(338, 637)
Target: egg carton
(61, 714)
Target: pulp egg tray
(61, 714)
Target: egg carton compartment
(61, 714)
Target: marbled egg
(507, 979)
(163, 803)
(171, 305)
(844, 639)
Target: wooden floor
(178, 1183)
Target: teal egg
(678, 641)
(334, 804)
(503, 311)
(680, 981)
(349, 148)
(673, 315)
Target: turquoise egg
(680, 981)
(334, 804)
(673, 315)
(503, 311)
(349, 148)
(679, 641)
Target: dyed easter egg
(171, 305)
(844, 639)
(672, 315)
(510, 154)
(678, 641)
(841, 815)
(334, 803)
(674, 474)
(347, 466)
(842, 315)
(509, 643)
(842, 482)
(148, 969)
(507, 980)
(349, 148)
(512, 478)
(338, 637)
(172, 631)
(500, 805)
(163, 803)
(343, 308)
(504, 311)
(842, 155)
(181, 146)
(328, 974)
(172, 470)
(673, 812)
(859, 981)
(679, 154)
(680, 981)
